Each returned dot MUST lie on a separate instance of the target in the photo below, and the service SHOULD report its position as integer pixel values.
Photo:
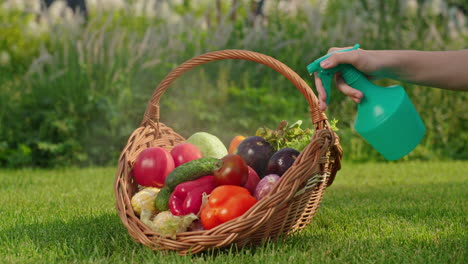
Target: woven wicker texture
(288, 208)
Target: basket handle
(319, 118)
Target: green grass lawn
(413, 212)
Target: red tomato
(252, 181)
(152, 166)
(185, 152)
(234, 171)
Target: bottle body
(387, 120)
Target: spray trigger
(326, 75)
(326, 82)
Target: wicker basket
(291, 205)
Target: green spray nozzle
(349, 73)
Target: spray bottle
(386, 118)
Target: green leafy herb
(285, 136)
(333, 124)
(292, 136)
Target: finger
(349, 57)
(322, 95)
(337, 49)
(354, 94)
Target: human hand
(364, 61)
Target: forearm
(442, 69)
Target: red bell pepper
(226, 202)
(187, 196)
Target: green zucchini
(189, 171)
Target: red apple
(185, 152)
(152, 166)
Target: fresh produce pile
(201, 184)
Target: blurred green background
(73, 87)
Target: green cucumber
(189, 171)
(192, 170)
(162, 200)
